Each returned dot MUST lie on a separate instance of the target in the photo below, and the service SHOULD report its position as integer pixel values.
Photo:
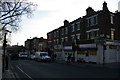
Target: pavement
(9, 74)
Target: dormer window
(92, 20)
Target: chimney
(66, 23)
(89, 11)
(105, 8)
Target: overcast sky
(50, 15)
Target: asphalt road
(31, 69)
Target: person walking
(69, 59)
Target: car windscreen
(44, 54)
(23, 54)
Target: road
(31, 69)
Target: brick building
(36, 44)
(92, 37)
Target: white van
(42, 56)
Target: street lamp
(5, 57)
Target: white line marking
(20, 64)
(24, 72)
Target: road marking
(20, 64)
(24, 72)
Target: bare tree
(11, 13)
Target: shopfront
(87, 52)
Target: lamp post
(4, 46)
(4, 56)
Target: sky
(119, 6)
(50, 15)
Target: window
(89, 22)
(54, 34)
(78, 36)
(62, 39)
(62, 31)
(57, 41)
(54, 41)
(92, 20)
(66, 30)
(111, 19)
(73, 37)
(96, 33)
(66, 39)
(95, 20)
(88, 35)
(57, 33)
(112, 34)
(73, 27)
(93, 33)
(78, 26)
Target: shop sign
(87, 46)
(68, 48)
(112, 43)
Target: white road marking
(24, 72)
(20, 64)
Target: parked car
(32, 56)
(42, 56)
(23, 55)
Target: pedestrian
(55, 56)
(73, 59)
(66, 58)
(69, 58)
(52, 57)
